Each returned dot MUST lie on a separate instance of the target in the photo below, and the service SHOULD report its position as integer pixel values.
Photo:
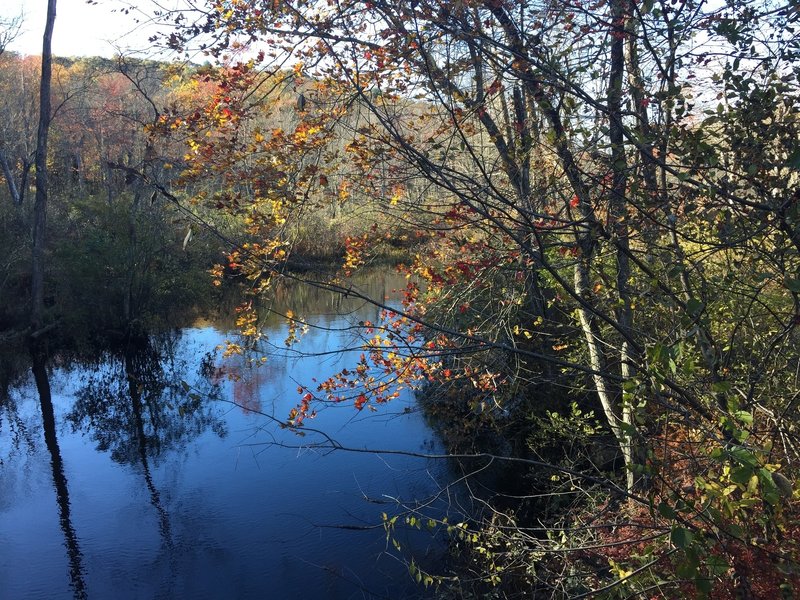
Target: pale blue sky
(81, 29)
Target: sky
(81, 29)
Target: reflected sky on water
(172, 493)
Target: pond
(160, 471)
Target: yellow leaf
(397, 195)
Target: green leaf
(787, 590)
(687, 568)
(703, 586)
(666, 511)
(792, 284)
(765, 478)
(675, 270)
(715, 514)
(735, 531)
(744, 457)
(741, 475)
(793, 162)
(688, 366)
(694, 306)
(630, 385)
(720, 387)
(681, 537)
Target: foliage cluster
(609, 202)
(610, 195)
(117, 259)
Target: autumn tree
(20, 77)
(9, 30)
(612, 189)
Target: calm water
(147, 490)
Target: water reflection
(176, 493)
(13, 428)
(136, 376)
(137, 405)
(76, 570)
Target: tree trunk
(40, 205)
(17, 193)
(618, 211)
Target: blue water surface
(176, 483)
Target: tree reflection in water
(76, 569)
(13, 428)
(137, 407)
(176, 512)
